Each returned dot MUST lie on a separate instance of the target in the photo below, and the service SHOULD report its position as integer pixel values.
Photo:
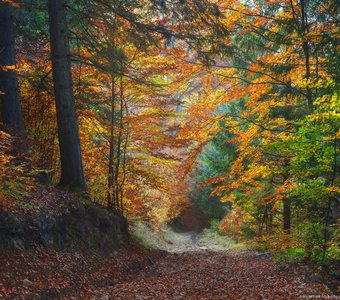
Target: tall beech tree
(72, 174)
(9, 92)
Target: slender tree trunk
(326, 233)
(309, 94)
(306, 51)
(110, 178)
(286, 215)
(9, 91)
(122, 183)
(119, 145)
(72, 174)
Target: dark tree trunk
(306, 51)
(286, 215)
(9, 91)
(110, 193)
(119, 150)
(72, 174)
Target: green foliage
(296, 135)
(215, 159)
(13, 189)
(28, 206)
(293, 254)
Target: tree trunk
(119, 145)
(110, 193)
(286, 215)
(306, 51)
(9, 91)
(72, 174)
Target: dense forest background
(147, 106)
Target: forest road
(193, 266)
(180, 242)
(167, 239)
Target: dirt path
(196, 266)
(190, 242)
(215, 275)
(180, 242)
